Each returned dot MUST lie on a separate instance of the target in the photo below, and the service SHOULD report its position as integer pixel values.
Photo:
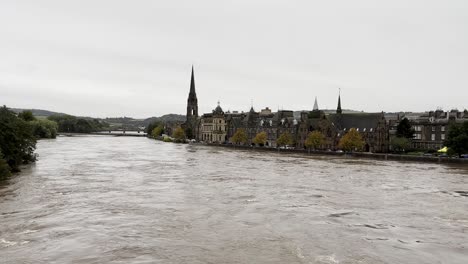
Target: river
(97, 199)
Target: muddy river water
(100, 199)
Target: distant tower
(338, 109)
(192, 101)
(315, 105)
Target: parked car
(464, 156)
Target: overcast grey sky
(133, 58)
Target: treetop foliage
(284, 139)
(457, 138)
(17, 141)
(179, 134)
(314, 139)
(404, 129)
(351, 141)
(260, 138)
(239, 137)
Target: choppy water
(134, 200)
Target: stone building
(212, 126)
(371, 126)
(430, 128)
(273, 124)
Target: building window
(442, 128)
(433, 137)
(442, 136)
(417, 136)
(433, 128)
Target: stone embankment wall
(379, 156)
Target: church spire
(192, 102)
(316, 108)
(338, 109)
(192, 83)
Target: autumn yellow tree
(260, 139)
(179, 134)
(314, 140)
(351, 141)
(239, 137)
(157, 131)
(284, 139)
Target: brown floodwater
(98, 199)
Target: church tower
(192, 102)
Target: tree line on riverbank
(18, 136)
(157, 130)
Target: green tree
(43, 128)
(157, 131)
(17, 140)
(404, 129)
(239, 137)
(400, 144)
(457, 138)
(284, 139)
(351, 141)
(150, 127)
(189, 132)
(179, 134)
(4, 168)
(260, 139)
(27, 115)
(314, 140)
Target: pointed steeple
(338, 109)
(192, 83)
(251, 106)
(192, 102)
(316, 108)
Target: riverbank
(112, 133)
(367, 155)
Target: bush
(17, 140)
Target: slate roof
(357, 120)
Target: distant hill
(114, 122)
(165, 118)
(36, 112)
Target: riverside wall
(367, 155)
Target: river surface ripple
(96, 199)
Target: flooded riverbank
(95, 199)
